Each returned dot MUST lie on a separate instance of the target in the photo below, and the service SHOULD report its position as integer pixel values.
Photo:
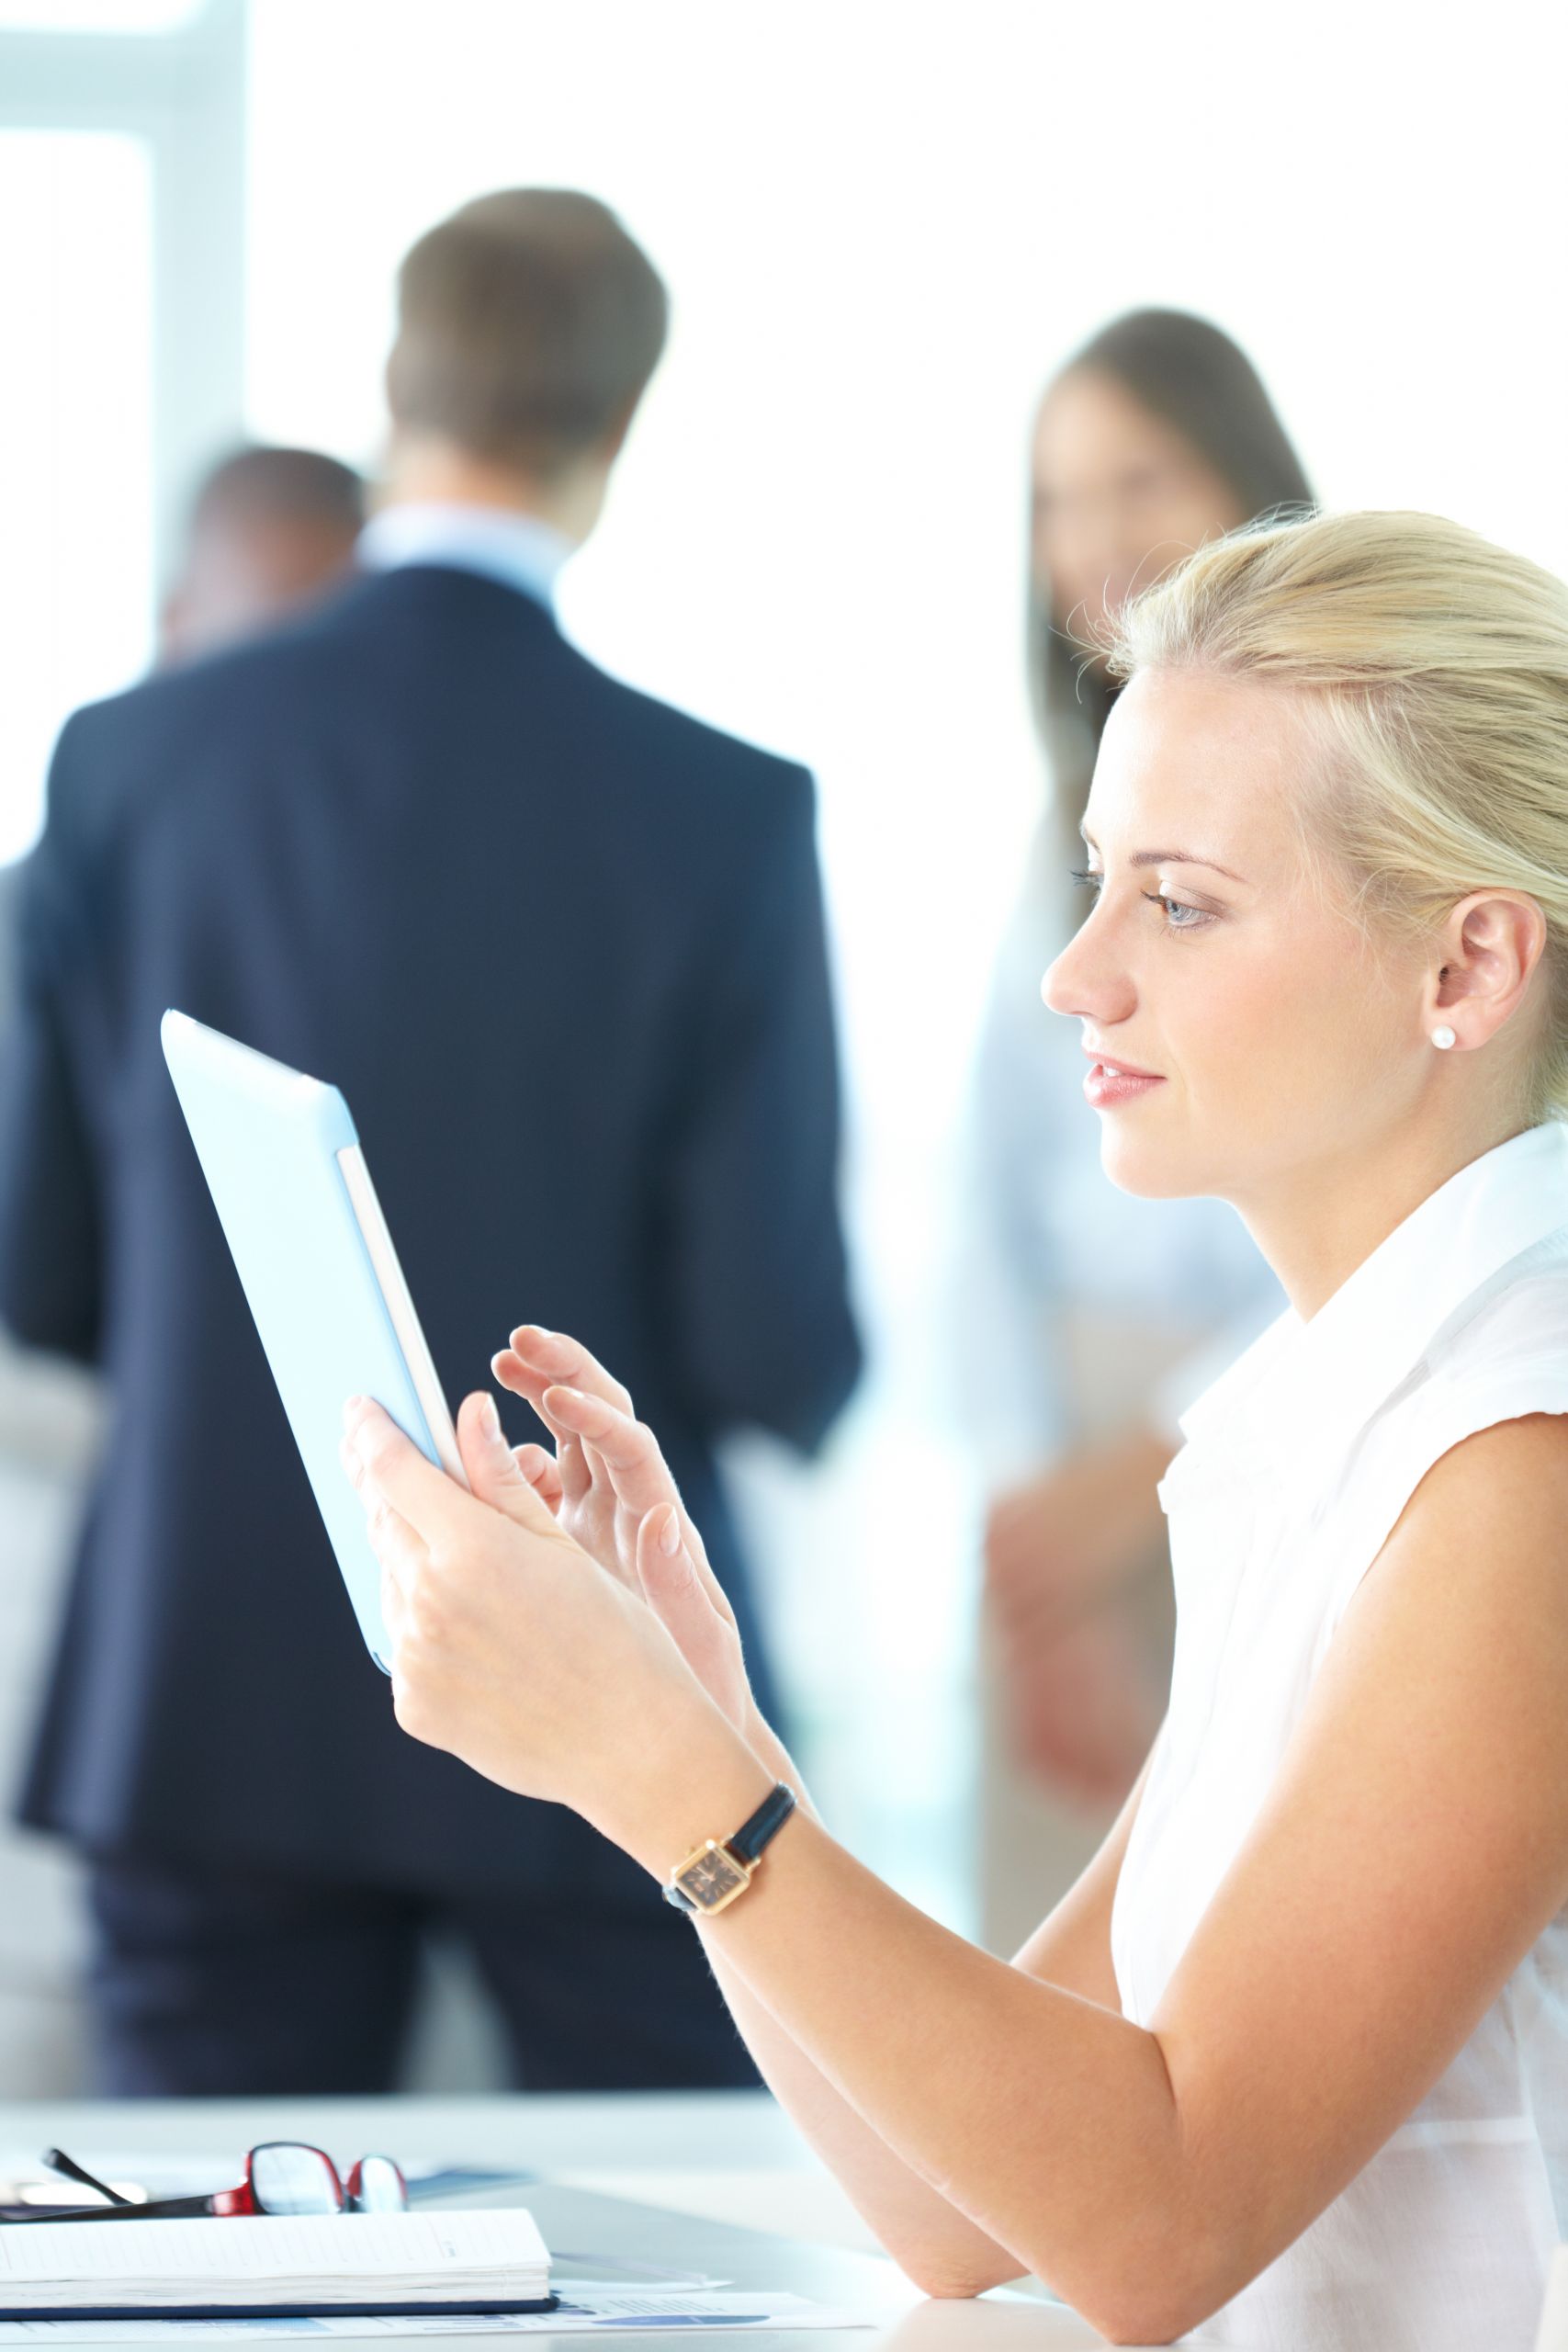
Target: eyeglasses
(281, 2177)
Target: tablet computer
(301, 1216)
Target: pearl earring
(1443, 1038)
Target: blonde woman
(1288, 2065)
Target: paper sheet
(275, 2258)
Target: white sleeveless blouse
(1297, 1464)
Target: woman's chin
(1137, 1164)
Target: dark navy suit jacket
(562, 949)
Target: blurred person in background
(268, 529)
(375, 844)
(1097, 1317)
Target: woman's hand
(511, 1648)
(1078, 1692)
(609, 1488)
(1062, 1544)
(1082, 1705)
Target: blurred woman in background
(1093, 1319)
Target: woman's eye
(1179, 916)
(1176, 908)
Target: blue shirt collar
(516, 549)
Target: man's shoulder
(163, 717)
(688, 746)
(345, 662)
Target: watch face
(712, 1878)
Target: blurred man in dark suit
(563, 949)
(269, 528)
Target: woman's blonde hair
(1434, 668)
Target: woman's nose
(1085, 982)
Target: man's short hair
(529, 325)
(262, 484)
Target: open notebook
(271, 2267)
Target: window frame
(183, 93)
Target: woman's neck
(1328, 1217)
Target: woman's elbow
(1154, 2287)
(1140, 2302)
(953, 2285)
(1155, 2318)
(1125, 2317)
(948, 2276)
(1152, 2309)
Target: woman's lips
(1107, 1086)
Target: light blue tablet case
(267, 1138)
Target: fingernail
(670, 1536)
(490, 1419)
(352, 1409)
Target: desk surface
(694, 2176)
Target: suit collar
(518, 550)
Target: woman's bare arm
(932, 2239)
(1414, 1848)
(1411, 1849)
(608, 1483)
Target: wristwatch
(711, 1877)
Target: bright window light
(97, 16)
(75, 442)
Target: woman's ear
(1489, 948)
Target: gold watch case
(711, 1877)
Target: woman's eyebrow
(1182, 857)
(1175, 857)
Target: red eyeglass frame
(244, 2199)
(222, 2202)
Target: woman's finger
(494, 1472)
(576, 1474)
(402, 1555)
(681, 1591)
(432, 1503)
(554, 1356)
(664, 1566)
(576, 1470)
(523, 1380)
(656, 1528)
(627, 1448)
(538, 1466)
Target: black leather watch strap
(747, 1841)
(769, 1818)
